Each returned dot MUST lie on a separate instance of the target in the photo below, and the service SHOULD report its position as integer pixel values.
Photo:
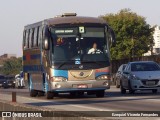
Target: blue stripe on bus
(24, 57)
(32, 57)
(32, 68)
(101, 73)
(36, 56)
(63, 73)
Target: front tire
(100, 93)
(131, 91)
(33, 93)
(154, 91)
(40, 93)
(123, 90)
(117, 85)
(49, 95)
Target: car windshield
(2, 77)
(145, 67)
(68, 45)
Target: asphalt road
(113, 101)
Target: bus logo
(81, 73)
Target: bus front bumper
(85, 86)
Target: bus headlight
(104, 77)
(58, 79)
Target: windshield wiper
(69, 61)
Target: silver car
(141, 75)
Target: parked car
(119, 75)
(19, 80)
(142, 75)
(2, 80)
(9, 82)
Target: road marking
(79, 106)
(91, 108)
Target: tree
(133, 34)
(12, 66)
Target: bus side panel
(32, 66)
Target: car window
(120, 68)
(123, 67)
(148, 66)
(127, 67)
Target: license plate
(9, 84)
(82, 86)
(150, 82)
(0, 84)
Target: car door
(118, 75)
(126, 76)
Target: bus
(67, 54)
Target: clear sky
(15, 14)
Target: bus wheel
(49, 95)
(80, 93)
(72, 94)
(40, 93)
(33, 93)
(100, 93)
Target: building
(8, 56)
(156, 40)
(156, 36)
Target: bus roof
(69, 20)
(75, 20)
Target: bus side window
(39, 35)
(32, 38)
(27, 39)
(24, 38)
(35, 37)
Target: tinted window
(36, 37)
(32, 37)
(92, 45)
(24, 38)
(39, 35)
(144, 67)
(28, 39)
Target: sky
(15, 14)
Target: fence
(116, 63)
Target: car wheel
(33, 93)
(49, 95)
(100, 93)
(154, 91)
(80, 93)
(123, 90)
(117, 85)
(131, 91)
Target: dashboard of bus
(73, 46)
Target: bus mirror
(113, 38)
(46, 44)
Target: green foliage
(12, 66)
(133, 34)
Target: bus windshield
(69, 45)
